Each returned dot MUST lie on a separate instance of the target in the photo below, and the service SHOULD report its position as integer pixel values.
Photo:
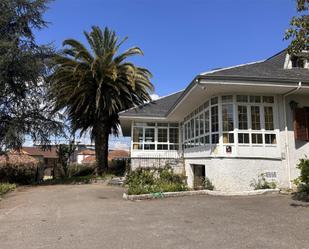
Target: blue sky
(180, 38)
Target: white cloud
(154, 96)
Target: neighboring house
(82, 155)
(48, 157)
(229, 125)
(80, 147)
(112, 155)
(118, 155)
(88, 160)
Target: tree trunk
(101, 134)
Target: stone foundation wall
(176, 163)
(235, 174)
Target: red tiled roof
(87, 152)
(18, 159)
(115, 154)
(37, 151)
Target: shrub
(81, 170)
(21, 173)
(208, 184)
(262, 183)
(6, 187)
(153, 180)
(302, 181)
(117, 167)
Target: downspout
(287, 148)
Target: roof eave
(252, 79)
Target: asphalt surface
(96, 217)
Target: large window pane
(269, 118)
(257, 138)
(174, 146)
(192, 128)
(242, 117)
(174, 138)
(228, 138)
(255, 118)
(149, 135)
(243, 138)
(227, 117)
(162, 146)
(206, 121)
(137, 146)
(270, 139)
(206, 140)
(137, 135)
(214, 119)
(202, 121)
(197, 126)
(149, 147)
(162, 135)
(215, 138)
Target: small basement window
(271, 175)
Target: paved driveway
(95, 217)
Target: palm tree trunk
(101, 133)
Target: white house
(229, 125)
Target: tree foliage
(94, 85)
(23, 106)
(64, 152)
(298, 32)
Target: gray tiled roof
(156, 108)
(270, 69)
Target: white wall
(236, 174)
(80, 158)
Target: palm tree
(94, 85)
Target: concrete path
(96, 217)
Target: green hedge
(76, 170)
(19, 173)
(153, 180)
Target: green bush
(153, 180)
(19, 173)
(117, 167)
(262, 183)
(6, 187)
(81, 170)
(302, 181)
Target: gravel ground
(96, 217)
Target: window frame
(245, 100)
(156, 126)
